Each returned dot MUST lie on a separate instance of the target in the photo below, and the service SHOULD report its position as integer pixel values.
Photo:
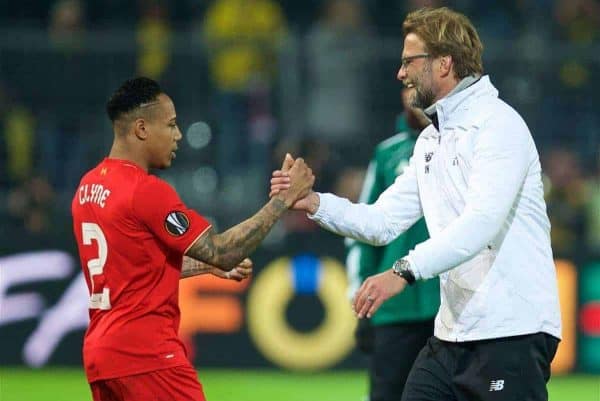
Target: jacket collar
(470, 87)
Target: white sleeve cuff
(413, 267)
(321, 213)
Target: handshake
(293, 185)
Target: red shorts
(173, 384)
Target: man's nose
(401, 73)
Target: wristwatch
(401, 268)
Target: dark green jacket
(421, 300)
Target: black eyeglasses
(405, 61)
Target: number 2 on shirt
(100, 298)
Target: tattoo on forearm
(192, 267)
(228, 249)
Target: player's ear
(140, 129)
(446, 64)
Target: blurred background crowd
(314, 77)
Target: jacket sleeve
(501, 157)
(396, 209)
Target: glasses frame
(405, 61)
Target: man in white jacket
(475, 176)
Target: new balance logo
(497, 385)
(428, 157)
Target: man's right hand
(301, 180)
(281, 182)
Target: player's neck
(123, 152)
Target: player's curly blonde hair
(447, 33)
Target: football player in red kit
(132, 231)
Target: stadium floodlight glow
(198, 135)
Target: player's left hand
(242, 271)
(375, 290)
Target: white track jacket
(478, 183)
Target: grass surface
(17, 384)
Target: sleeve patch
(177, 223)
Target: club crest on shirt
(177, 223)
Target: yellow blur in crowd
(242, 37)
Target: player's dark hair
(132, 94)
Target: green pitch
(17, 384)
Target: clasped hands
(295, 173)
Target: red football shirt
(132, 231)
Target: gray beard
(423, 100)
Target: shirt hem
(492, 336)
(134, 372)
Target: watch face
(399, 265)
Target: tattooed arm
(226, 250)
(192, 267)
